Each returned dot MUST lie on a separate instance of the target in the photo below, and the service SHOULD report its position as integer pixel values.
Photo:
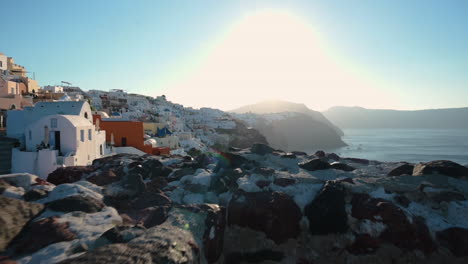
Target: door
(124, 142)
(57, 140)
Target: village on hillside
(46, 127)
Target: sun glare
(272, 55)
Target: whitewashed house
(54, 134)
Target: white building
(3, 63)
(53, 89)
(54, 134)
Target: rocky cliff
(254, 205)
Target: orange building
(127, 133)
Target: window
(53, 123)
(1, 63)
(82, 135)
(86, 115)
(90, 137)
(30, 135)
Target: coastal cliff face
(290, 126)
(248, 205)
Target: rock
(14, 216)
(230, 160)
(150, 199)
(289, 156)
(333, 156)
(405, 169)
(264, 171)
(226, 180)
(34, 194)
(341, 166)
(76, 203)
(214, 226)
(283, 182)
(326, 213)
(119, 234)
(444, 167)
(299, 153)
(153, 216)
(261, 149)
(447, 196)
(3, 186)
(203, 160)
(364, 244)
(21, 180)
(314, 164)
(156, 185)
(402, 200)
(273, 213)
(262, 183)
(163, 172)
(103, 178)
(40, 234)
(348, 180)
(455, 239)
(359, 161)
(135, 184)
(320, 154)
(69, 174)
(166, 244)
(178, 174)
(262, 256)
(400, 231)
(234, 149)
(196, 188)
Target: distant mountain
(358, 117)
(291, 126)
(278, 106)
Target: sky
(395, 54)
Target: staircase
(6, 145)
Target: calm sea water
(412, 145)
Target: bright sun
(271, 55)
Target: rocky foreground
(243, 206)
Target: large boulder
(35, 194)
(213, 226)
(273, 213)
(401, 232)
(405, 169)
(341, 166)
(104, 177)
(358, 161)
(444, 167)
(226, 180)
(168, 244)
(230, 160)
(261, 149)
(314, 164)
(150, 199)
(119, 234)
(69, 174)
(15, 214)
(327, 213)
(73, 203)
(40, 234)
(455, 239)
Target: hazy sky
(405, 54)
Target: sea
(411, 145)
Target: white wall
(3, 60)
(15, 124)
(53, 88)
(40, 163)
